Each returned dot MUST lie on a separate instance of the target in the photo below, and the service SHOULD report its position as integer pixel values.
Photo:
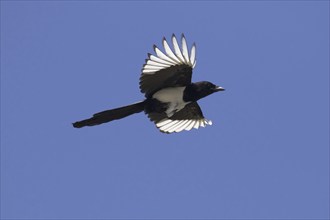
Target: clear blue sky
(265, 156)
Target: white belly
(174, 97)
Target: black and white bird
(171, 97)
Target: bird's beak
(218, 88)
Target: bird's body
(171, 97)
(174, 97)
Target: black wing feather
(190, 111)
(179, 75)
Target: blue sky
(265, 156)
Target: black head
(202, 89)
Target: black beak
(218, 88)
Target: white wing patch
(169, 126)
(170, 58)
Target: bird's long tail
(110, 115)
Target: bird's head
(205, 88)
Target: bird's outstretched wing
(169, 69)
(189, 117)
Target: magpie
(170, 96)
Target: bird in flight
(170, 96)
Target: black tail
(110, 115)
